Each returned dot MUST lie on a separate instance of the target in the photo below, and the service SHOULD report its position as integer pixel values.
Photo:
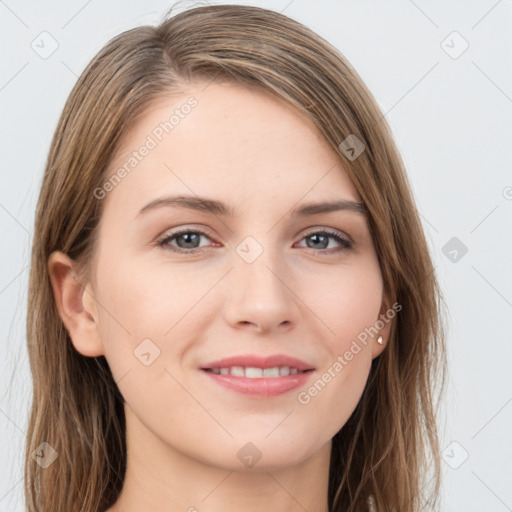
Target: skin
(299, 298)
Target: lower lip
(265, 387)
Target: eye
(188, 241)
(320, 240)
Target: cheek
(150, 315)
(145, 300)
(347, 302)
(348, 309)
(145, 328)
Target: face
(177, 288)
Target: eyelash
(164, 242)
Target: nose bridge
(256, 267)
(258, 292)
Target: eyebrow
(219, 208)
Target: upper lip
(254, 361)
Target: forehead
(230, 141)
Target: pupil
(316, 237)
(187, 236)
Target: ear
(384, 321)
(76, 305)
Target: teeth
(237, 371)
(284, 371)
(271, 372)
(256, 373)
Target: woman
(232, 304)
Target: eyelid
(332, 231)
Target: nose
(260, 296)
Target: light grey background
(452, 120)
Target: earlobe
(383, 323)
(76, 311)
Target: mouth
(252, 372)
(262, 377)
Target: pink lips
(259, 362)
(264, 387)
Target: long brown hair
(389, 445)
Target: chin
(263, 455)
